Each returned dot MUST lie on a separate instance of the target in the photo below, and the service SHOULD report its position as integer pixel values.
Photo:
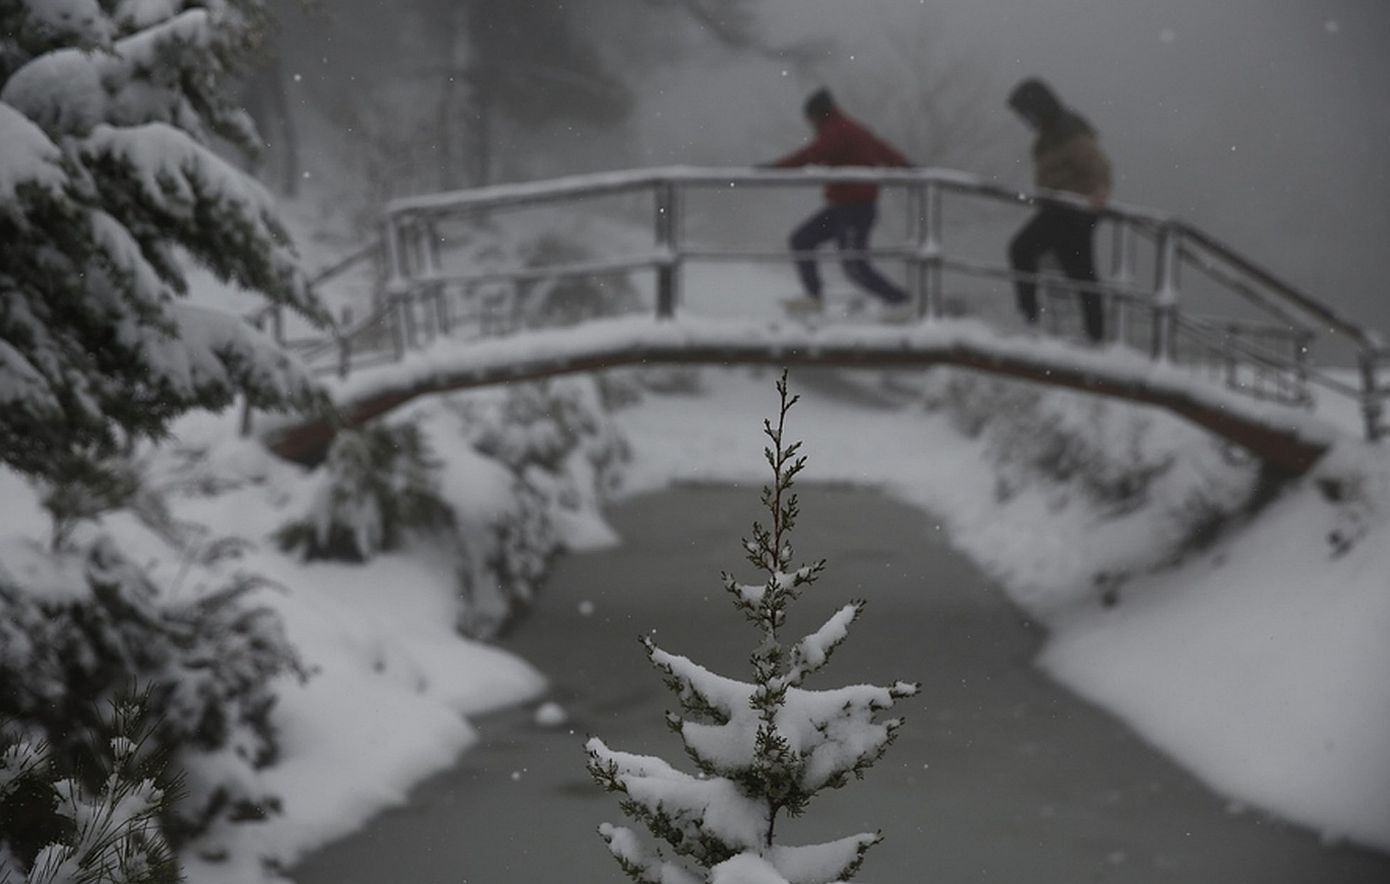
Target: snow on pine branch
(813, 651)
(81, 21)
(223, 215)
(71, 91)
(32, 162)
(641, 864)
(108, 187)
(132, 15)
(217, 350)
(829, 863)
(23, 386)
(690, 809)
(764, 747)
(832, 732)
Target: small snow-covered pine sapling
(763, 749)
(56, 830)
(378, 484)
(111, 190)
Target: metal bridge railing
(1266, 358)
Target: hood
(1035, 101)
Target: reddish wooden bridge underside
(1285, 439)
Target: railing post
(246, 417)
(668, 242)
(1228, 357)
(419, 256)
(1121, 251)
(1165, 297)
(412, 329)
(1302, 343)
(916, 235)
(397, 314)
(441, 309)
(432, 248)
(436, 320)
(397, 282)
(926, 265)
(396, 270)
(1122, 273)
(1372, 409)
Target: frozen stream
(998, 776)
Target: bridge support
(667, 242)
(1165, 298)
(924, 267)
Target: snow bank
(1261, 663)
(393, 682)
(1256, 661)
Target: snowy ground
(1258, 662)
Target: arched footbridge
(460, 304)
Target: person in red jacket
(851, 207)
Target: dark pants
(849, 226)
(1069, 234)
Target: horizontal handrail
(608, 183)
(351, 259)
(995, 271)
(1146, 313)
(1253, 327)
(1216, 336)
(1140, 218)
(643, 261)
(1324, 312)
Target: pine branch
(765, 748)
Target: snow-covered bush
(565, 455)
(762, 748)
(1154, 487)
(94, 488)
(548, 424)
(568, 301)
(544, 302)
(54, 829)
(619, 388)
(517, 553)
(1062, 438)
(377, 484)
(107, 188)
(88, 625)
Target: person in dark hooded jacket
(851, 207)
(1066, 157)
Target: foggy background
(1264, 122)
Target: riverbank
(1260, 674)
(999, 775)
(1249, 646)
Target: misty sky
(1264, 121)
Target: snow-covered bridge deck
(1286, 438)
(440, 322)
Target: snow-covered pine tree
(108, 836)
(108, 187)
(378, 483)
(763, 748)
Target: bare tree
(734, 23)
(935, 106)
